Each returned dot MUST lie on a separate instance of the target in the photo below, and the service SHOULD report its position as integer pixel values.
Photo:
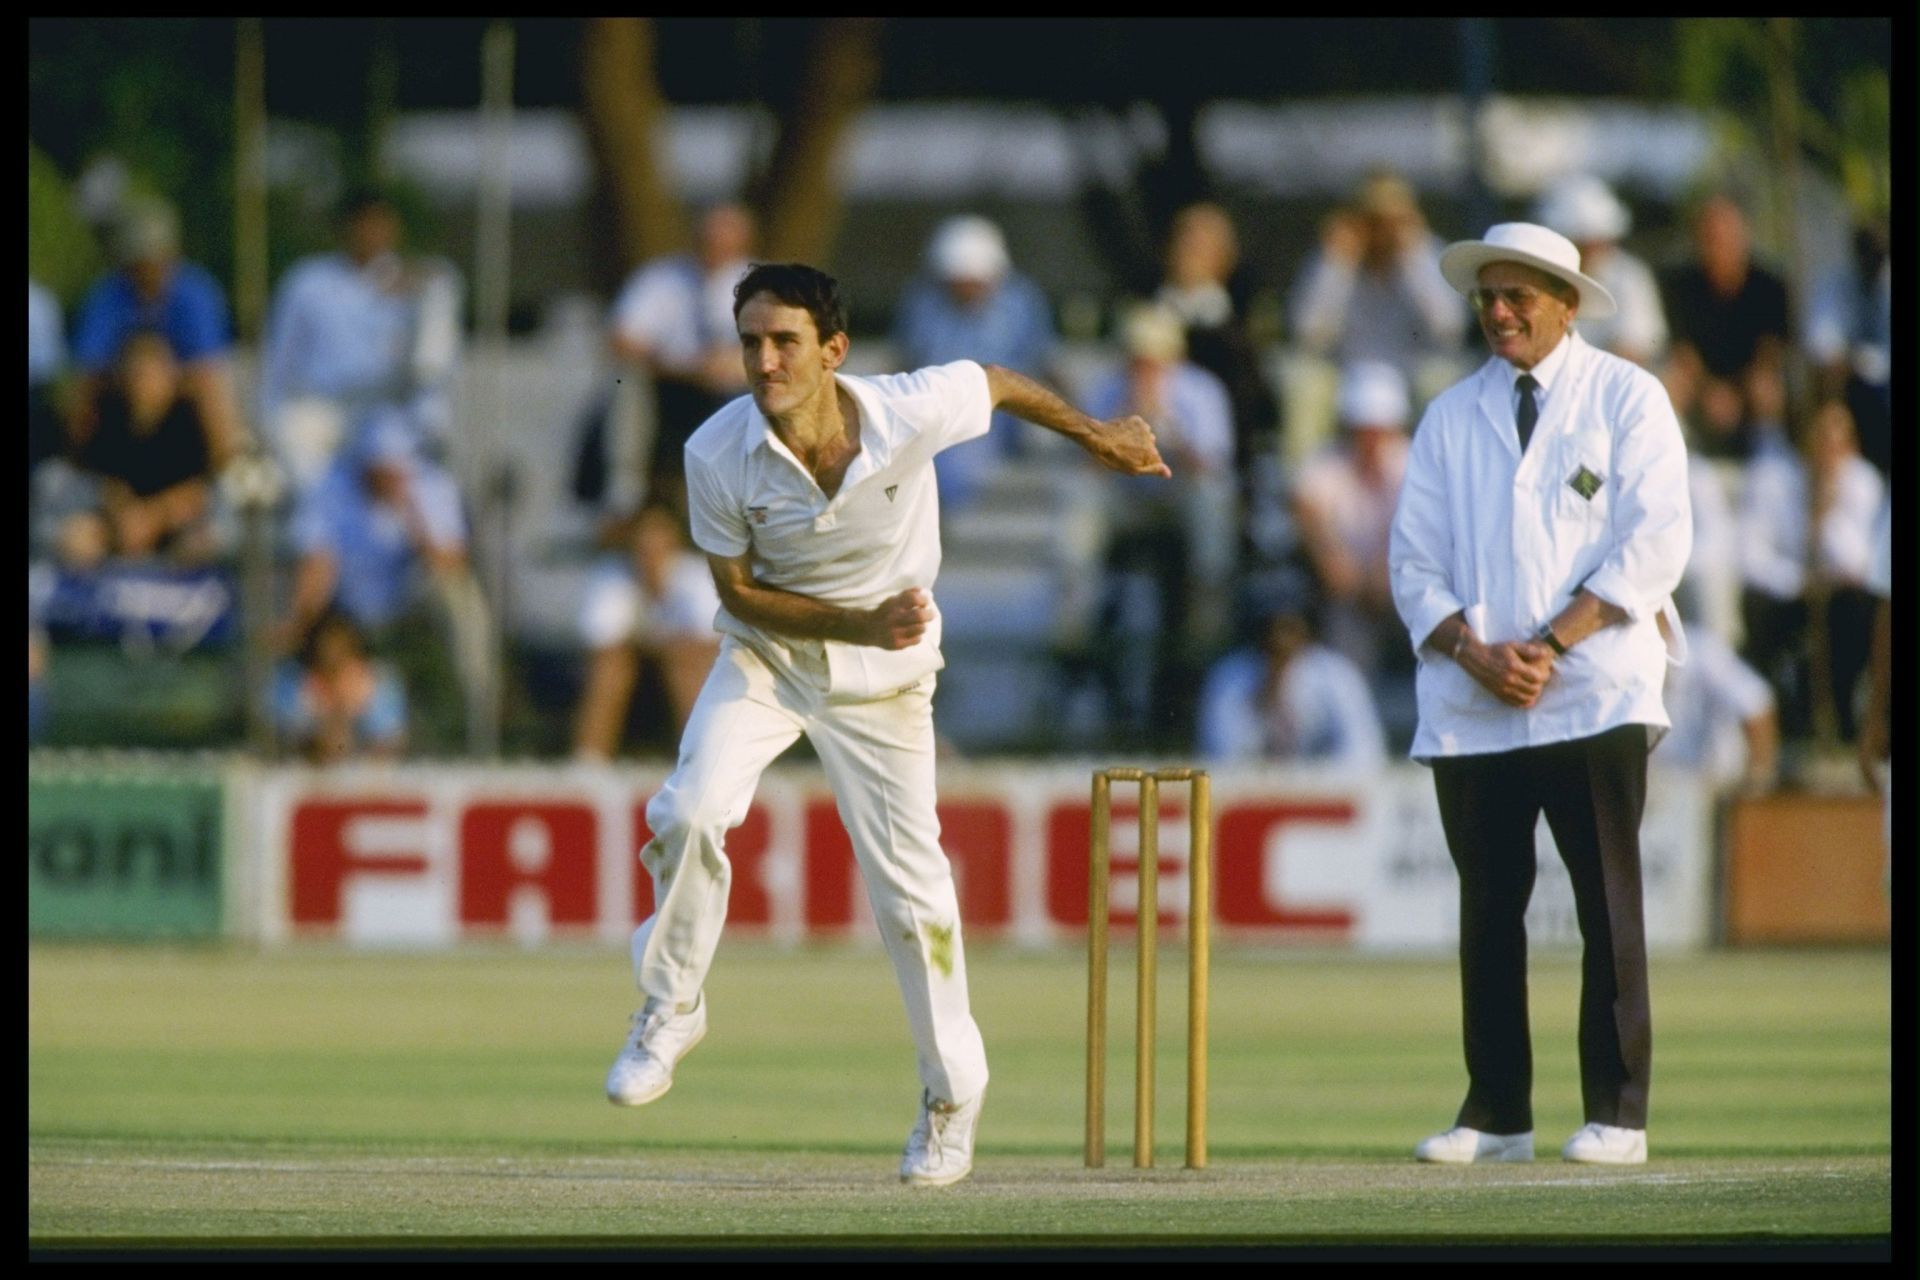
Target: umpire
(1543, 525)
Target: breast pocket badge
(1585, 483)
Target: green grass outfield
(309, 1094)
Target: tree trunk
(800, 202)
(625, 115)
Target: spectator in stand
(364, 535)
(1807, 529)
(1288, 697)
(674, 320)
(1709, 592)
(1206, 288)
(1181, 533)
(653, 607)
(151, 454)
(46, 358)
(154, 289)
(38, 655)
(1850, 339)
(1585, 210)
(380, 513)
(1876, 725)
(1725, 727)
(1730, 325)
(334, 703)
(971, 304)
(361, 330)
(1374, 289)
(1343, 506)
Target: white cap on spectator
(1373, 394)
(1154, 332)
(968, 248)
(1584, 209)
(147, 230)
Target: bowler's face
(787, 365)
(1522, 321)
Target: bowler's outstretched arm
(1122, 444)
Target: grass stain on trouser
(940, 948)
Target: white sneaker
(1606, 1144)
(940, 1148)
(659, 1039)
(1461, 1145)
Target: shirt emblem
(891, 490)
(757, 514)
(1584, 483)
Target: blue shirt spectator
(299, 714)
(1316, 707)
(1191, 414)
(334, 703)
(379, 511)
(46, 356)
(154, 290)
(189, 310)
(973, 306)
(355, 331)
(46, 343)
(340, 330)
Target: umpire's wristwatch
(1546, 637)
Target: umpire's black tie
(1529, 411)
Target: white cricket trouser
(879, 758)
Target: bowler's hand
(1126, 445)
(1513, 671)
(899, 621)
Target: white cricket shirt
(1599, 500)
(877, 536)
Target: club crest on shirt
(1584, 483)
(891, 490)
(757, 514)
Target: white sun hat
(1530, 246)
(1583, 208)
(968, 248)
(1154, 332)
(1373, 394)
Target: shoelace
(936, 1121)
(644, 1023)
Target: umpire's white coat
(1599, 500)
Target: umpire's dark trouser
(1593, 791)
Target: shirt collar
(1548, 369)
(876, 439)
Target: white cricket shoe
(940, 1148)
(1461, 1145)
(1606, 1144)
(660, 1038)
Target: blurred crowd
(1240, 611)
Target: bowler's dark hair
(796, 285)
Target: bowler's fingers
(908, 616)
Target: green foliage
(61, 252)
(1841, 73)
(1865, 129)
